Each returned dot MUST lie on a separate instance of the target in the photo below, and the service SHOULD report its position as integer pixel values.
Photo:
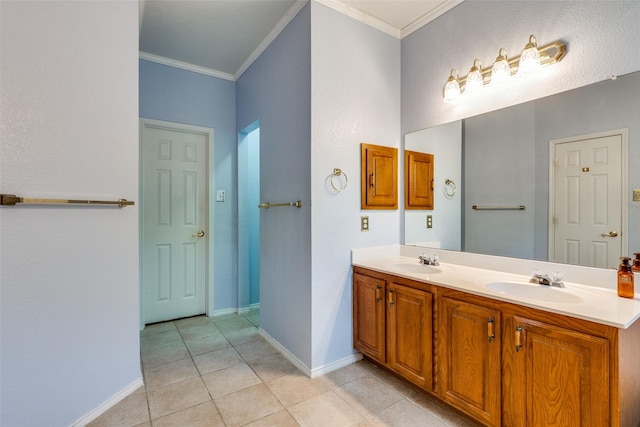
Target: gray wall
(355, 98)
(602, 40)
(276, 90)
(499, 169)
(69, 310)
(179, 96)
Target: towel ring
(343, 184)
(449, 187)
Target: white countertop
(583, 301)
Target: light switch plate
(220, 196)
(364, 223)
(636, 195)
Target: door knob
(610, 234)
(198, 234)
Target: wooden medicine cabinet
(379, 177)
(418, 180)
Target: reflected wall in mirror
(504, 160)
(445, 144)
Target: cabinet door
(560, 377)
(379, 178)
(418, 180)
(410, 329)
(369, 316)
(469, 359)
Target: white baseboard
(317, 372)
(104, 407)
(311, 373)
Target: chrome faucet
(429, 259)
(553, 279)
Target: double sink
(516, 287)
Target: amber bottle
(636, 263)
(625, 279)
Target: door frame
(624, 170)
(209, 268)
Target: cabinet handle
(518, 342)
(391, 302)
(371, 180)
(490, 329)
(378, 297)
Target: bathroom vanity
(496, 347)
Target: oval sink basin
(414, 267)
(533, 291)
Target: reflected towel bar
(12, 200)
(268, 205)
(498, 208)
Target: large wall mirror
(499, 163)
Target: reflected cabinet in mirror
(549, 179)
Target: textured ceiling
(224, 36)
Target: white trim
(275, 31)
(287, 18)
(367, 19)
(108, 404)
(624, 188)
(185, 66)
(223, 312)
(322, 370)
(432, 15)
(209, 273)
(311, 373)
(358, 15)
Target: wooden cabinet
(469, 359)
(559, 376)
(502, 364)
(418, 180)
(393, 325)
(369, 316)
(379, 177)
(410, 329)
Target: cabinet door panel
(418, 180)
(379, 177)
(410, 323)
(561, 376)
(369, 316)
(469, 359)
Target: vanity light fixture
(530, 60)
(530, 57)
(452, 88)
(501, 71)
(475, 81)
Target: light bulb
(530, 57)
(452, 87)
(474, 78)
(501, 71)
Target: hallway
(219, 371)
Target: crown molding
(425, 19)
(264, 44)
(185, 66)
(354, 13)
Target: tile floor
(219, 371)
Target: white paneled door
(174, 221)
(587, 223)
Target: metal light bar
(12, 200)
(549, 54)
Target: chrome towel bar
(498, 208)
(268, 205)
(12, 200)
